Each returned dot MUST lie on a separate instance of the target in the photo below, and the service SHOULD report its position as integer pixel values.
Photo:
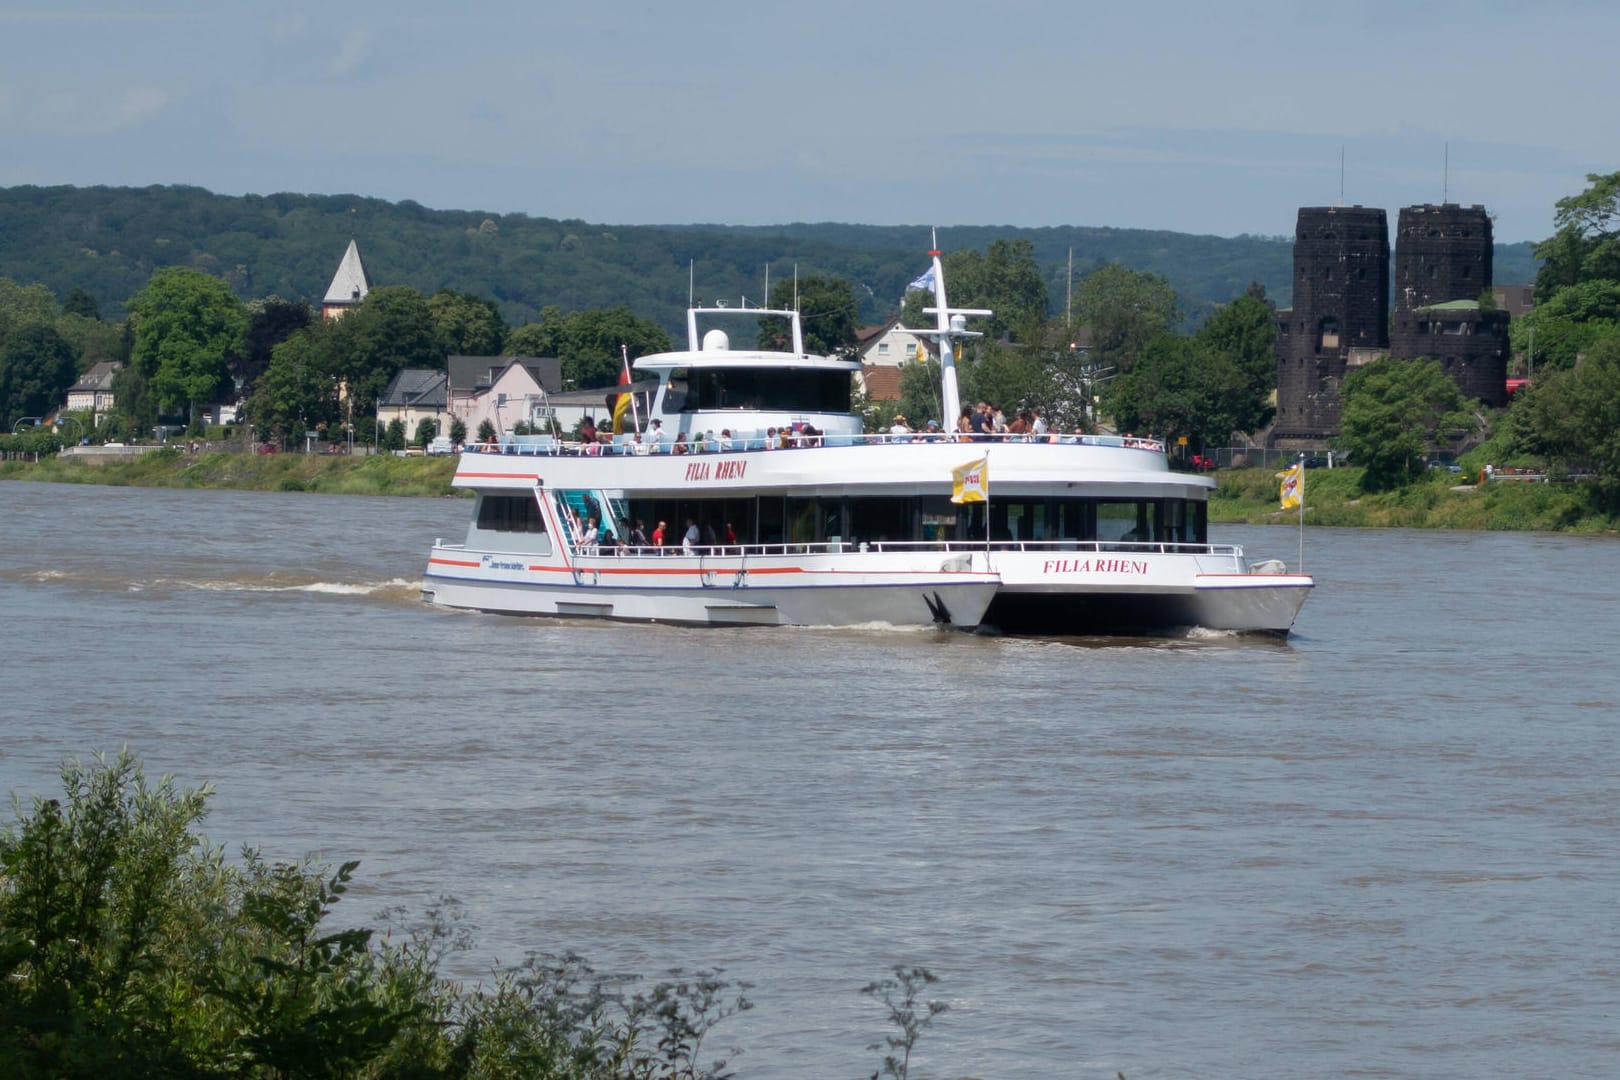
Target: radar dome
(716, 341)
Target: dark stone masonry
(1340, 318)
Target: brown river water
(1385, 847)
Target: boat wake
(394, 589)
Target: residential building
(93, 392)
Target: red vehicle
(267, 448)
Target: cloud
(288, 27)
(353, 51)
(76, 114)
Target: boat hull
(710, 590)
(1144, 589)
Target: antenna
(1445, 175)
(767, 285)
(691, 280)
(1068, 292)
(1341, 174)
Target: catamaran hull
(722, 596)
(1254, 608)
(1142, 589)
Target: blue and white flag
(926, 282)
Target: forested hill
(107, 241)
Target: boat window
(768, 389)
(1124, 521)
(510, 513)
(876, 520)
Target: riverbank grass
(333, 474)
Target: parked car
(267, 448)
(440, 447)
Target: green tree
(21, 305)
(1395, 412)
(1572, 418)
(81, 303)
(394, 435)
(1182, 387)
(1569, 323)
(37, 366)
(827, 315)
(466, 325)
(458, 431)
(392, 329)
(270, 322)
(187, 324)
(1245, 333)
(588, 342)
(1586, 246)
(297, 392)
(135, 411)
(1124, 309)
(1004, 279)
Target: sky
(1189, 116)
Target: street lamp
(21, 420)
(74, 420)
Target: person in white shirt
(898, 431)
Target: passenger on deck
(932, 430)
(638, 536)
(724, 445)
(981, 423)
(964, 424)
(898, 431)
(655, 436)
(771, 442)
(659, 538)
(691, 539)
(731, 539)
(680, 446)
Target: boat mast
(949, 325)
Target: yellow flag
(1293, 485)
(971, 482)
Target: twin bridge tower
(1341, 316)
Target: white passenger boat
(789, 514)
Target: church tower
(349, 285)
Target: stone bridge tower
(1340, 318)
(1442, 268)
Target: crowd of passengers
(978, 423)
(590, 537)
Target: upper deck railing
(760, 441)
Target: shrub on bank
(129, 946)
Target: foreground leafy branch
(129, 946)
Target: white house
(93, 391)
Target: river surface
(1386, 847)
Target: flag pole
(987, 566)
(635, 413)
(1302, 512)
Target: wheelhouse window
(510, 513)
(768, 389)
